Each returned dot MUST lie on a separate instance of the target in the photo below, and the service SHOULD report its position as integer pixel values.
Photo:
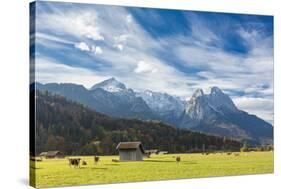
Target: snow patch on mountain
(110, 85)
(202, 105)
(162, 103)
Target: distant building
(150, 152)
(43, 154)
(52, 154)
(154, 151)
(130, 151)
(162, 152)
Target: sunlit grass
(57, 172)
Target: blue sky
(162, 50)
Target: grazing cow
(84, 163)
(74, 162)
(229, 153)
(115, 160)
(178, 159)
(96, 159)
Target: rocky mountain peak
(110, 85)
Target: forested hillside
(74, 129)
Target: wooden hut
(130, 151)
(43, 154)
(52, 154)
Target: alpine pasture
(57, 172)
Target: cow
(178, 159)
(96, 159)
(74, 162)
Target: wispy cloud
(82, 46)
(144, 67)
(50, 70)
(257, 106)
(120, 45)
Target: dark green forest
(75, 129)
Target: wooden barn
(52, 154)
(130, 151)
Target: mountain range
(77, 130)
(213, 113)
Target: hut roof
(130, 146)
(151, 151)
(52, 153)
(43, 154)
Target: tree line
(65, 125)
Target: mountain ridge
(78, 130)
(213, 112)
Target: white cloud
(261, 107)
(44, 36)
(144, 67)
(201, 34)
(83, 24)
(82, 46)
(117, 29)
(129, 18)
(85, 47)
(120, 41)
(119, 47)
(52, 41)
(95, 36)
(98, 50)
(48, 71)
(231, 71)
(122, 38)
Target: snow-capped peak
(162, 102)
(216, 100)
(215, 90)
(110, 85)
(197, 93)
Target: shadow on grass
(102, 168)
(35, 167)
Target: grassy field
(57, 172)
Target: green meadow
(56, 172)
